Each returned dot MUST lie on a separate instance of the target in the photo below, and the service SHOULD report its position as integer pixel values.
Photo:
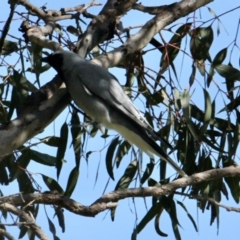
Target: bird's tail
(174, 165)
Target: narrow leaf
(52, 184)
(109, 156)
(62, 148)
(72, 181)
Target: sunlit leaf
(72, 181)
(148, 171)
(228, 72)
(122, 150)
(52, 184)
(220, 57)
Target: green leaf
(109, 156)
(184, 100)
(21, 165)
(236, 133)
(152, 212)
(25, 184)
(51, 227)
(51, 141)
(73, 30)
(9, 47)
(189, 215)
(125, 180)
(43, 158)
(207, 113)
(233, 184)
(192, 76)
(76, 137)
(60, 216)
(157, 228)
(62, 148)
(155, 98)
(177, 99)
(234, 104)
(201, 41)
(171, 51)
(128, 175)
(52, 184)
(72, 181)
(228, 72)
(122, 150)
(148, 171)
(220, 57)
(169, 205)
(210, 76)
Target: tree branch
(212, 200)
(109, 200)
(37, 112)
(6, 234)
(138, 41)
(102, 27)
(31, 222)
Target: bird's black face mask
(55, 60)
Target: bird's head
(55, 59)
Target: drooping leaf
(171, 51)
(25, 184)
(72, 181)
(220, 57)
(43, 158)
(228, 72)
(148, 171)
(207, 112)
(76, 137)
(189, 215)
(125, 180)
(60, 216)
(20, 165)
(51, 227)
(9, 47)
(152, 212)
(109, 156)
(122, 150)
(62, 148)
(52, 141)
(170, 207)
(128, 175)
(52, 184)
(73, 30)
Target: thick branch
(138, 41)
(109, 200)
(38, 111)
(26, 126)
(6, 27)
(103, 26)
(6, 234)
(211, 200)
(27, 218)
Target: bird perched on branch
(99, 94)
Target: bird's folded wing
(108, 89)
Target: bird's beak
(45, 59)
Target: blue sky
(86, 192)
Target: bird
(99, 94)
